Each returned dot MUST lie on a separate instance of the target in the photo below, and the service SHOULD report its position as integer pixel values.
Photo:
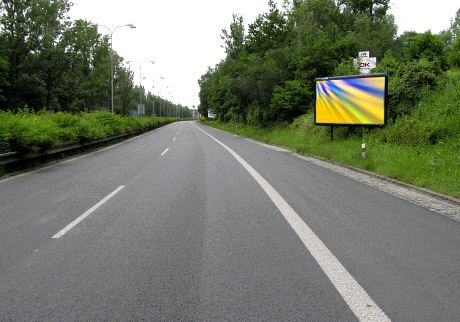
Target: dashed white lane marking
(74, 159)
(165, 151)
(354, 295)
(174, 139)
(87, 213)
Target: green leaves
(234, 38)
(3, 78)
(51, 62)
(291, 100)
(427, 46)
(31, 34)
(409, 85)
(27, 131)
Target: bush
(5, 134)
(405, 131)
(28, 131)
(409, 84)
(66, 122)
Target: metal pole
(140, 83)
(111, 68)
(140, 76)
(111, 55)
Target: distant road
(188, 223)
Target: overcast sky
(183, 36)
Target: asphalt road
(183, 225)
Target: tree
(269, 31)
(205, 91)
(426, 46)
(32, 31)
(15, 26)
(125, 94)
(234, 39)
(271, 78)
(3, 79)
(454, 56)
(291, 100)
(375, 35)
(372, 8)
(82, 43)
(455, 25)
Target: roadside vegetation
(48, 61)
(27, 131)
(265, 87)
(421, 148)
(55, 81)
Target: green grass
(436, 167)
(421, 148)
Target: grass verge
(435, 167)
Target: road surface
(193, 224)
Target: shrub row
(30, 131)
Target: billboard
(352, 100)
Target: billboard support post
(332, 132)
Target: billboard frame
(385, 100)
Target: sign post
(140, 110)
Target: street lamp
(132, 26)
(153, 94)
(170, 105)
(140, 74)
(166, 104)
(162, 78)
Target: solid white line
(354, 295)
(164, 152)
(87, 213)
(75, 158)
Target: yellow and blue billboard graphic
(351, 100)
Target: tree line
(268, 73)
(48, 61)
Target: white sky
(183, 36)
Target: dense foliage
(268, 74)
(48, 61)
(27, 130)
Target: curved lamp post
(153, 93)
(162, 78)
(140, 74)
(111, 53)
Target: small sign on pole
(366, 63)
